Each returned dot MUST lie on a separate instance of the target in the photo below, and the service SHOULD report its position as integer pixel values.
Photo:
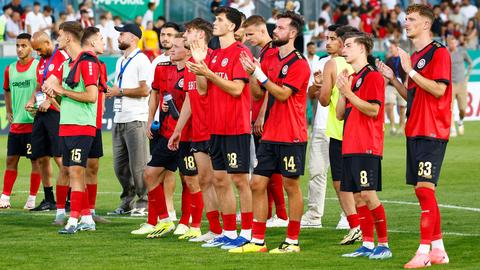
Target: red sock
(75, 203)
(270, 200)
(428, 218)
(280, 206)
(85, 205)
(161, 203)
(214, 222)
(186, 205)
(437, 231)
(293, 229)
(92, 195)
(229, 222)
(197, 209)
(353, 220)
(380, 223)
(258, 230)
(35, 180)
(247, 220)
(366, 223)
(8, 181)
(61, 193)
(153, 196)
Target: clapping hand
(344, 83)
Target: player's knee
(291, 186)
(12, 163)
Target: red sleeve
(441, 66)
(238, 72)
(6, 81)
(374, 88)
(57, 71)
(90, 72)
(157, 79)
(103, 77)
(297, 75)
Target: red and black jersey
(267, 50)
(55, 68)
(229, 115)
(362, 134)
(287, 120)
(198, 104)
(102, 88)
(169, 79)
(428, 116)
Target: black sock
(49, 194)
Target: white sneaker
(276, 222)
(461, 129)
(5, 203)
(30, 204)
(181, 229)
(204, 237)
(343, 223)
(145, 228)
(138, 212)
(309, 223)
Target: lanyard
(45, 69)
(396, 62)
(122, 69)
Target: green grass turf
(27, 241)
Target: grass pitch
(28, 241)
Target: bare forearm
(153, 105)
(365, 107)
(141, 91)
(340, 109)
(431, 86)
(8, 101)
(278, 92)
(255, 89)
(400, 87)
(90, 96)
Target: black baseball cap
(130, 28)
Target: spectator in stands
(35, 21)
(7, 12)
(148, 16)
(214, 5)
(49, 20)
(325, 14)
(456, 17)
(16, 5)
(468, 10)
(138, 22)
(401, 15)
(70, 12)
(471, 35)
(61, 19)
(158, 27)
(150, 42)
(247, 7)
(445, 12)
(13, 27)
(117, 21)
(85, 19)
(367, 20)
(354, 19)
(343, 15)
(105, 31)
(437, 22)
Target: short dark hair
(325, 5)
(36, 3)
(423, 10)
(47, 8)
(172, 25)
(296, 21)
(25, 36)
(117, 18)
(88, 33)
(361, 38)
(232, 14)
(321, 20)
(150, 5)
(311, 43)
(254, 20)
(201, 24)
(5, 8)
(333, 27)
(72, 27)
(103, 17)
(161, 18)
(83, 11)
(342, 30)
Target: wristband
(121, 92)
(261, 77)
(412, 73)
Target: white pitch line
(448, 206)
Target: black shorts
(153, 142)
(336, 159)
(203, 146)
(288, 160)
(424, 160)
(97, 145)
(45, 139)
(361, 173)
(230, 153)
(163, 157)
(75, 150)
(19, 144)
(186, 161)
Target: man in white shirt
(129, 139)
(47, 17)
(148, 15)
(35, 21)
(468, 10)
(105, 31)
(325, 14)
(13, 27)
